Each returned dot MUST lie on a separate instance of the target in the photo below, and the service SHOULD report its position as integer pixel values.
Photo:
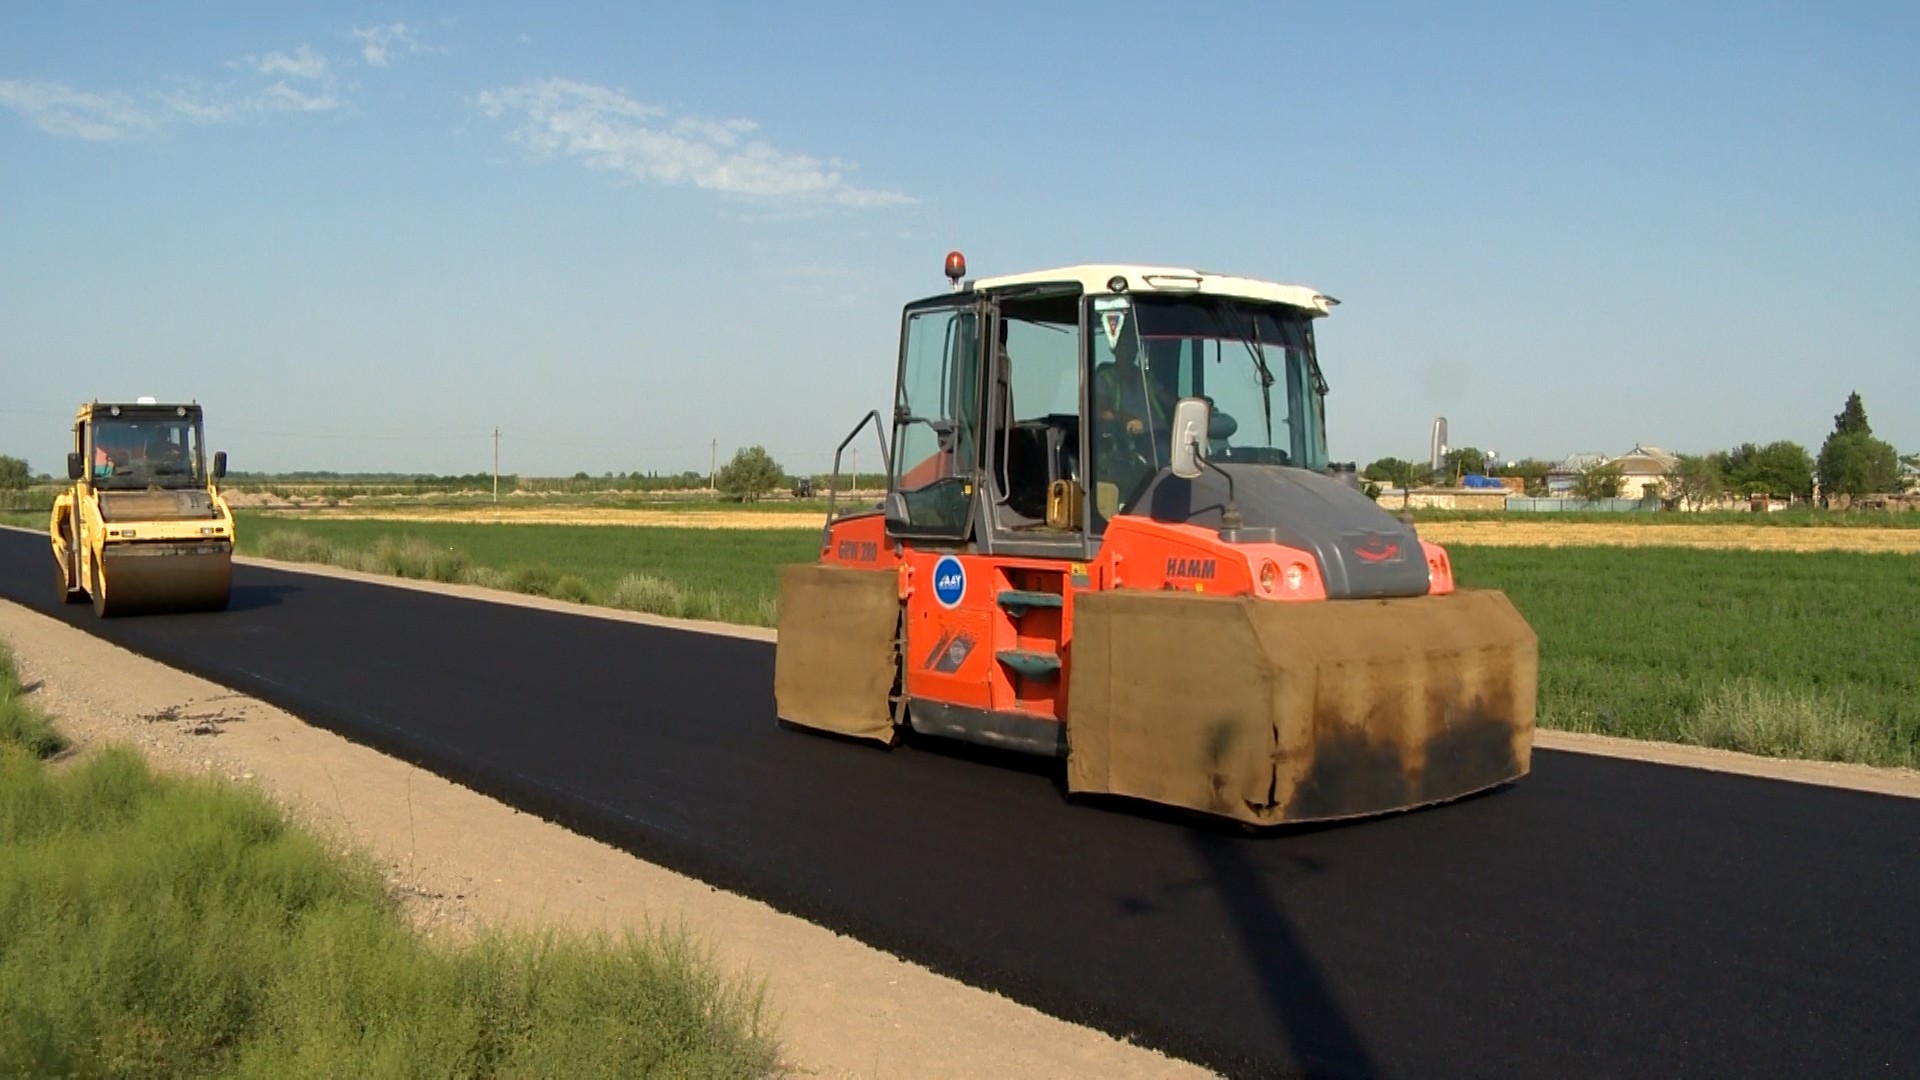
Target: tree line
(1852, 462)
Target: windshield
(147, 451)
(1254, 362)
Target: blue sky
(364, 235)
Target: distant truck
(143, 527)
(803, 488)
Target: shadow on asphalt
(255, 597)
(1323, 1039)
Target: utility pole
(856, 471)
(713, 466)
(496, 463)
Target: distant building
(1641, 468)
(1560, 478)
(1644, 471)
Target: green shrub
(487, 577)
(532, 580)
(154, 926)
(293, 546)
(21, 725)
(649, 594)
(1755, 718)
(415, 557)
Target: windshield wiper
(1259, 359)
(1313, 361)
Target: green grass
(21, 725)
(727, 575)
(154, 926)
(1786, 653)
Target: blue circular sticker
(949, 581)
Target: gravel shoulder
(1837, 774)
(459, 859)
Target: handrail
(833, 482)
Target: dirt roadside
(1869, 778)
(460, 859)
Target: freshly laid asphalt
(1601, 917)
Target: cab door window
(936, 422)
(1035, 436)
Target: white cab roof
(1166, 280)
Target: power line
(361, 436)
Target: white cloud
(283, 98)
(59, 109)
(303, 64)
(380, 44)
(301, 81)
(605, 129)
(194, 103)
(196, 106)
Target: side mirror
(219, 464)
(76, 466)
(1191, 418)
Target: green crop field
(1792, 654)
(730, 575)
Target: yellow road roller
(143, 529)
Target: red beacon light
(956, 268)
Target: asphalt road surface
(1601, 917)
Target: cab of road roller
(143, 527)
(1112, 534)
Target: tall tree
(1695, 480)
(1858, 464)
(1461, 461)
(1394, 471)
(1599, 481)
(1780, 469)
(1852, 419)
(751, 474)
(1853, 462)
(14, 473)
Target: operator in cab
(1134, 414)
